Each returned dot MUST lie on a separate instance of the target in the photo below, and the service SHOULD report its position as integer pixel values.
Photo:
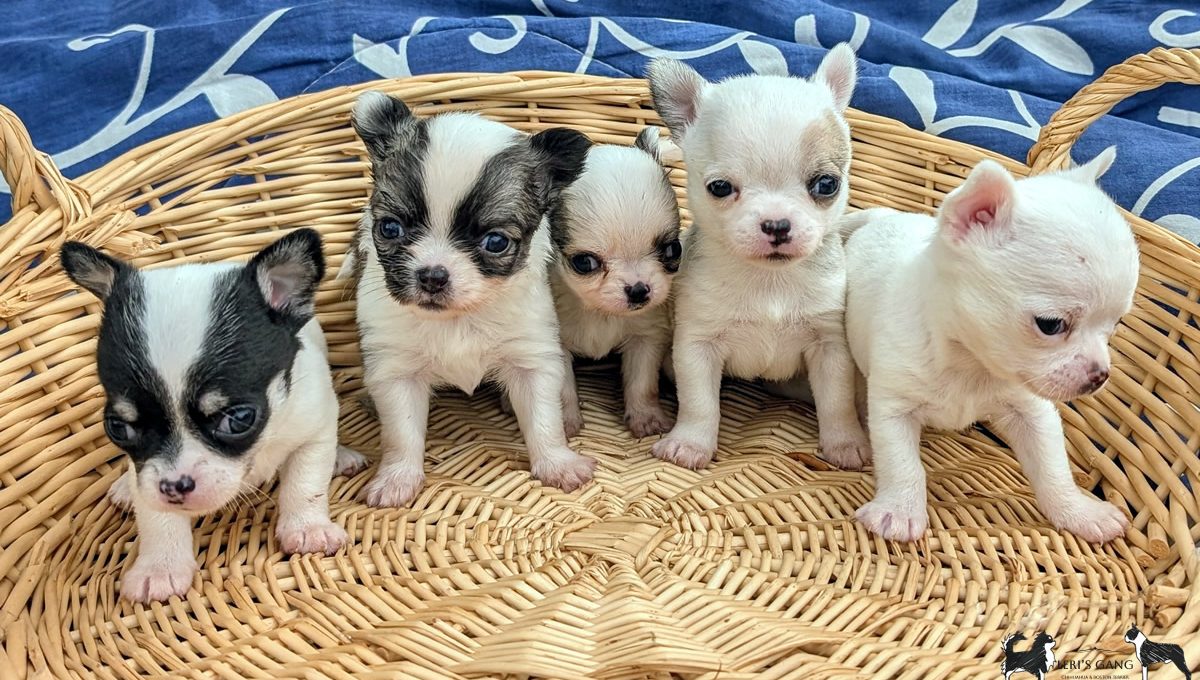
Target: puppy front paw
(1088, 517)
(563, 469)
(312, 537)
(349, 462)
(682, 452)
(121, 492)
(155, 581)
(394, 487)
(647, 421)
(848, 455)
(894, 521)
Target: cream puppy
(616, 231)
(761, 293)
(452, 255)
(992, 311)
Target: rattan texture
(751, 568)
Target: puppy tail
(851, 222)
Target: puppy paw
(682, 452)
(647, 421)
(572, 420)
(1089, 518)
(894, 521)
(848, 455)
(314, 537)
(156, 581)
(563, 469)
(395, 487)
(349, 462)
(121, 492)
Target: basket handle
(32, 176)
(1138, 73)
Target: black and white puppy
(616, 229)
(452, 255)
(215, 377)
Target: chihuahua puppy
(761, 293)
(452, 255)
(215, 377)
(992, 311)
(616, 230)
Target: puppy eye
(1049, 325)
(119, 432)
(585, 263)
(236, 422)
(720, 188)
(495, 243)
(671, 252)
(389, 229)
(824, 186)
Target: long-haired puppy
(452, 255)
(761, 293)
(993, 311)
(215, 377)
(616, 231)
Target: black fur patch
(399, 194)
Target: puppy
(215, 377)
(761, 293)
(992, 311)
(452, 255)
(616, 231)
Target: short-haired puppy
(453, 289)
(761, 292)
(992, 311)
(215, 377)
(616, 231)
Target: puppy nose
(638, 293)
(1097, 376)
(180, 487)
(433, 279)
(777, 228)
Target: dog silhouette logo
(1148, 652)
(1036, 661)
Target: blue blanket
(92, 80)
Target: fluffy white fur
(743, 306)
(503, 330)
(618, 210)
(941, 321)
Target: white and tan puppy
(616, 231)
(761, 292)
(992, 311)
(453, 288)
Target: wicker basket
(753, 567)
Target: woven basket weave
(751, 568)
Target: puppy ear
(92, 269)
(648, 141)
(564, 152)
(1093, 170)
(983, 204)
(839, 72)
(377, 119)
(287, 273)
(675, 89)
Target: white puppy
(991, 312)
(215, 377)
(616, 230)
(761, 293)
(452, 255)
